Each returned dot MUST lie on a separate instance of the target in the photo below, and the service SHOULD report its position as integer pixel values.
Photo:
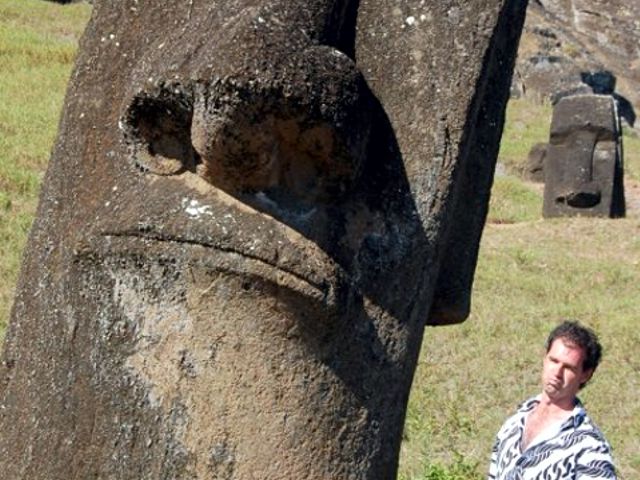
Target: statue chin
(222, 351)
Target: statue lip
(210, 228)
(303, 279)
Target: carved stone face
(583, 171)
(253, 210)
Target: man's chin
(552, 391)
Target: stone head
(583, 165)
(252, 211)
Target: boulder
(535, 163)
(581, 46)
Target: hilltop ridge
(575, 46)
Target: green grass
(531, 272)
(513, 201)
(631, 147)
(38, 41)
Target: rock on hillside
(581, 46)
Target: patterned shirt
(573, 450)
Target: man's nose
(558, 371)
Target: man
(551, 437)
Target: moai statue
(583, 171)
(252, 211)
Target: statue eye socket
(271, 149)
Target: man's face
(563, 372)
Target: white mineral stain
(162, 327)
(337, 53)
(194, 209)
(265, 201)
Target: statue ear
(447, 129)
(157, 128)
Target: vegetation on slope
(38, 41)
(531, 272)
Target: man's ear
(586, 375)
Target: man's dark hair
(585, 338)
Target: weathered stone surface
(535, 162)
(583, 168)
(251, 212)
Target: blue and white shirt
(573, 450)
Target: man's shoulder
(588, 427)
(587, 431)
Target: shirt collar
(575, 420)
(579, 414)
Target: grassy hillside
(38, 41)
(531, 272)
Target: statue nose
(290, 122)
(302, 139)
(299, 139)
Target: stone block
(583, 170)
(534, 169)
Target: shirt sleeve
(493, 465)
(595, 463)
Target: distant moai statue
(252, 211)
(583, 170)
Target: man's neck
(556, 407)
(548, 412)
